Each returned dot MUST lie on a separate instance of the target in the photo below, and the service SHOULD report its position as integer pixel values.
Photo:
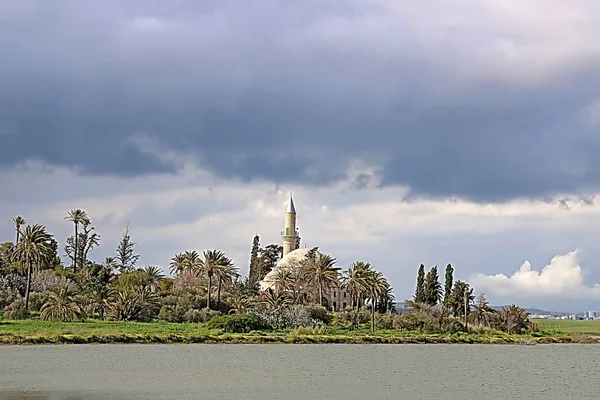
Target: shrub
(171, 313)
(8, 296)
(452, 325)
(309, 330)
(193, 315)
(318, 313)
(13, 281)
(37, 300)
(47, 280)
(286, 317)
(243, 323)
(16, 310)
(352, 318)
(385, 321)
(417, 320)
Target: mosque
(336, 298)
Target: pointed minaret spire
(290, 207)
(290, 234)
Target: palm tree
(155, 276)
(275, 298)
(482, 311)
(239, 304)
(376, 286)
(226, 274)
(320, 271)
(100, 299)
(62, 306)
(353, 280)
(512, 319)
(178, 263)
(77, 216)
(213, 261)
(186, 262)
(33, 247)
(18, 221)
(110, 264)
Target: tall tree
(213, 260)
(154, 277)
(448, 282)
(457, 300)
(269, 256)
(18, 221)
(77, 216)
(87, 241)
(420, 290)
(320, 271)
(32, 248)
(226, 274)
(433, 288)
(482, 312)
(377, 288)
(254, 269)
(126, 257)
(353, 280)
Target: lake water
(465, 372)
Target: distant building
(591, 315)
(336, 299)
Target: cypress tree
(449, 280)
(420, 291)
(254, 261)
(433, 288)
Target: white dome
(292, 259)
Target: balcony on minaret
(289, 232)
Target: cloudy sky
(463, 131)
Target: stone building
(336, 298)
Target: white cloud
(563, 277)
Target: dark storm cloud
(287, 91)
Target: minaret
(290, 234)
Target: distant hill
(538, 311)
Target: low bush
(318, 313)
(287, 317)
(417, 321)
(37, 300)
(8, 296)
(385, 321)
(13, 281)
(352, 319)
(16, 310)
(309, 330)
(234, 323)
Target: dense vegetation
(206, 295)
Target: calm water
(263, 372)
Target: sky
(435, 132)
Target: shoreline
(25, 340)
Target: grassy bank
(570, 326)
(37, 332)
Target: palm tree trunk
(320, 294)
(373, 317)
(29, 271)
(209, 289)
(17, 241)
(219, 291)
(466, 300)
(75, 249)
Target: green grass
(570, 326)
(93, 331)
